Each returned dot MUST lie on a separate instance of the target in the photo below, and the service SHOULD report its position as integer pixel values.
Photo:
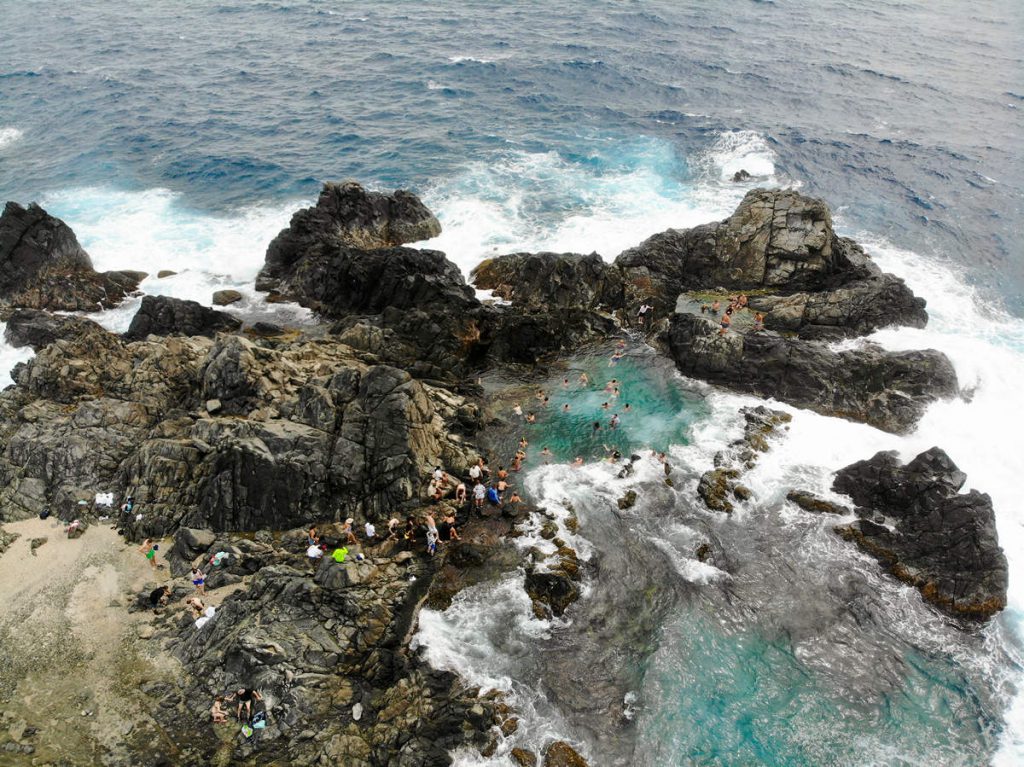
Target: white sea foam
(9, 136)
(536, 201)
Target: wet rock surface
(42, 266)
(933, 537)
(166, 316)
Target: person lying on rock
(217, 712)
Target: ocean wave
(9, 136)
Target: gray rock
(225, 297)
(166, 316)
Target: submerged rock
(561, 754)
(935, 538)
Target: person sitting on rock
(346, 531)
(726, 322)
(758, 322)
(410, 528)
(312, 537)
(217, 712)
(195, 604)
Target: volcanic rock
(346, 215)
(561, 754)
(42, 265)
(38, 329)
(225, 297)
(935, 538)
(889, 390)
(166, 316)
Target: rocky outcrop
(889, 390)
(166, 316)
(719, 487)
(42, 266)
(345, 216)
(328, 652)
(933, 537)
(226, 297)
(39, 329)
(561, 754)
(545, 281)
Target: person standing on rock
(371, 533)
(479, 494)
(460, 494)
(199, 580)
(475, 472)
(149, 549)
(245, 696)
(726, 322)
(393, 524)
(641, 315)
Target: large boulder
(933, 537)
(42, 265)
(551, 280)
(39, 329)
(166, 316)
(347, 215)
(889, 390)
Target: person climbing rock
(158, 598)
(198, 580)
(149, 549)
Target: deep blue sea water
(181, 135)
(906, 116)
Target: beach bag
(45, 513)
(339, 555)
(247, 731)
(259, 720)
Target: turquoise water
(660, 413)
(739, 697)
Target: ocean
(182, 135)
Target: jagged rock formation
(300, 430)
(39, 329)
(719, 487)
(42, 266)
(889, 390)
(933, 537)
(166, 316)
(346, 215)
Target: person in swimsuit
(149, 549)
(245, 697)
(726, 322)
(217, 712)
(199, 580)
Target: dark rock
(266, 329)
(42, 265)
(551, 280)
(812, 503)
(166, 316)
(346, 215)
(561, 754)
(32, 240)
(555, 591)
(889, 390)
(38, 329)
(741, 176)
(163, 273)
(628, 500)
(226, 297)
(935, 538)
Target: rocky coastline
(233, 441)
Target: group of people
(244, 698)
(736, 304)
